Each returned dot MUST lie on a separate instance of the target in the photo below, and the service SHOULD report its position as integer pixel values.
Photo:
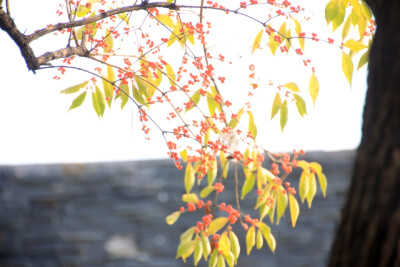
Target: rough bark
(369, 233)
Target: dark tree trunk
(369, 233)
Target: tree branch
(8, 25)
(98, 17)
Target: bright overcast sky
(36, 127)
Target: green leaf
(137, 95)
(331, 10)
(282, 202)
(189, 177)
(284, 114)
(355, 46)
(366, 10)
(221, 261)
(235, 245)
(142, 85)
(250, 239)
(74, 89)
(78, 101)
(216, 225)
(99, 102)
(82, 11)
(213, 259)
(276, 105)
(314, 88)
(363, 60)
(206, 191)
(266, 231)
(294, 209)
(173, 217)
(338, 20)
(212, 104)
(124, 94)
(347, 66)
(230, 259)
(195, 99)
(248, 185)
(304, 186)
(312, 189)
(292, 86)
(190, 198)
(185, 250)
(198, 252)
(206, 245)
(259, 239)
(224, 244)
(257, 41)
(301, 105)
(323, 182)
(187, 235)
(252, 126)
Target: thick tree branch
(98, 17)
(8, 25)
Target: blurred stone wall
(113, 214)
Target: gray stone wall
(113, 214)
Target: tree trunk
(369, 233)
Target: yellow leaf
(257, 41)
(216, 225)
(250, 239)
(248, 185)
(109, 40)
(190, 198)
(206, 245)
(259, 239)
(75, 88)
(212, 171)
(363, 60)
(185, 250)
(173, 217)
(314, 88)
(355, 46)
(235, 245)
(198, 251)
(276, 105)
(312, 189)
(294, 209)
(292, 86)
(323, 182)
(189, 177)
(304, 185)
(206, 191)
(298, 31)
(252, 126)
(224, 244)
(284, 114)
(166, 20)
(347, 66)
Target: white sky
(35, 126)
